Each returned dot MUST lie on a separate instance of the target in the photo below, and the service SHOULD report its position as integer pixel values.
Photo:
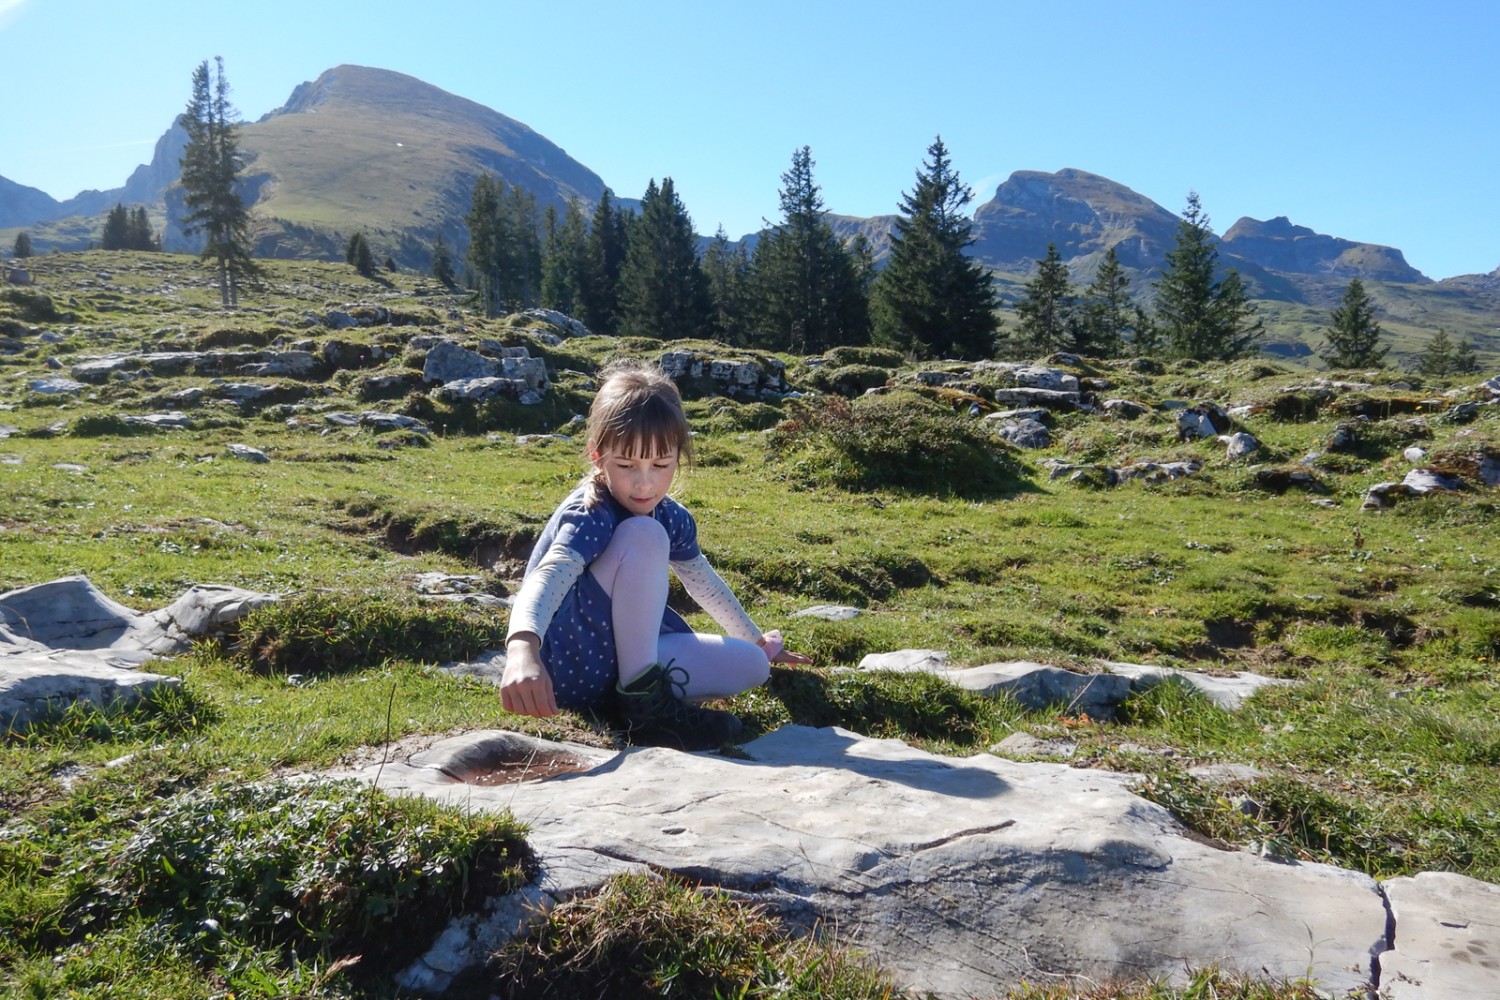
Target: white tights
(632, 569)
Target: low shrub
(330, 867)
(899, 440)
(337, 633)
(646, 936)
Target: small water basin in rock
(503, 759)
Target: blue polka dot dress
(578, 647)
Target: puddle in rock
(533, 767)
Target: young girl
(591, 625)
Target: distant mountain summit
(1083, 213)
(379, 152)
(1282, 246)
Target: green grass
(1383, 759)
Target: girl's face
(637, 483)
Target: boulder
(1125, 409)
(1026, 434)
(246, 453)
(65, 640)
(565, 325)
(1202, 421)
(174, 420)
(448, 362)
(1238, 445)
(389, 422)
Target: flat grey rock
(962, 876)
(907, 661)
(1447, 939)
(1228, 691)
(828, 612)
(1038, 686)
(65, 641)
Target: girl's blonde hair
(636, 413)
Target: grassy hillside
(1383, 758)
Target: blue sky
(1373, 121)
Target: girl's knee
(755, 669)
(643, 533)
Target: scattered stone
(70, 467)
(1418, 482)
(448, 362)
(476, 390)
(566, 325)
(1238, 445)
(1125, 409)
(342, 419)
(54, 386)
(1227, 692)
(191, 396)
(174, 420)
(828, 612)
(1026, 434)
(448, 583)
(292, 364)
(1155, 472)
(907, 661)
(245, 393)
(1036, 686)
(1202, 421)
(526, 440)
(248, 454)
(1415, 455)
(1227, 774)
(397, 384)
(392, 422)
(1026, 745)
(1051, 399)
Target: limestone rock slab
(1447, 938)
(962, 876)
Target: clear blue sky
(1374, 121)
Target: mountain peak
(1279, 244)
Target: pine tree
(663, 291)
(140, 236)
(210, 163)
(116, 235)
(1354, 337)
(442, 262)
(1108, 317)
(1047, 307)
(359, 254)
(1200, 317)
(1437, 358)
(565, 260)
(486, 242)
(599, 287)
(932, 299)
(727, 268)
(807, 283)
(1464, 358)
(21, 249)
(1148, 341)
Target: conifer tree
(1108, 316)
(486, 241)
(116, 235)
(1354, 337)
(608, 243)
(1437, 358)
(807, 282)
(727, 268)
(505, 252)
(1047, 307)
(663, 291)
(565, 260)
(1201, 317)
(21, 249)
(359, 254)
(442, 262)
(140, 236)
(1464, 358)
(210, 164)
(932, 299)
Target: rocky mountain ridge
(379, 152)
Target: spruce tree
(727, 268)
(140, 236)
(1108, 317)
(1464, 358)
(1354, 336)
(210, 163)
(1200, 317)
(565, 260)
(932, 299)
(808, 284)
(116, 234)
(21, 249)
(487, 242)
(1047, 307)
(1437, 358)
(359, 254)
(442, 262)
(663, 291)
(608, 243)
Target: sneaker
(655, 714)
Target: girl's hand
(770, 644)
(526, 687)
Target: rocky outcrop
(1282, 246)
(961, 876)
(65, 641)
